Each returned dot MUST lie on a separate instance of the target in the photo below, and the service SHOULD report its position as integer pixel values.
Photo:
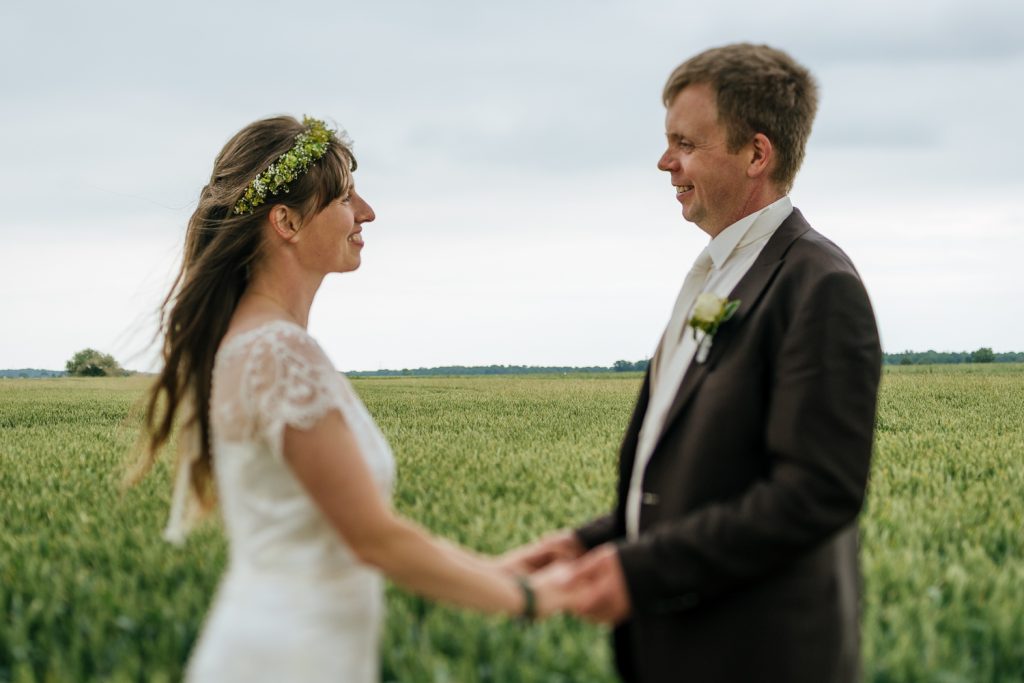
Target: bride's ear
(284, 222)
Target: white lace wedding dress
(294, 604)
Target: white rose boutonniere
(709, 313)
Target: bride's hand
(551, 588)
(558, 546)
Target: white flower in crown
(709, 312)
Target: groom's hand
(558, 546)
(599, 587)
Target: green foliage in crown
(310, 146)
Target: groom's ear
(762, 156)
(284, 222)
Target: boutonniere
(709, 313)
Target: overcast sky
(509, 151)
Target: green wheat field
(90, 592)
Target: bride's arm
(327, 462)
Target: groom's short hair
(758, 89)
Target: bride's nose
(364, 212)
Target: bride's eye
(345, 199)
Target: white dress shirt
(732, 253)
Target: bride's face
(333, 238)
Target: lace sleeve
(282, 378)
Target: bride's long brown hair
(220, 250)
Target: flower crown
(310, 146)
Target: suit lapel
(749, 291)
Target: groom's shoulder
(813, 265)
(816, 253)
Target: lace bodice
(294, 603)
(264, 379)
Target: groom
(731, 553)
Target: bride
(301, 471)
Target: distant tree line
(92, 363)
(626, 366)
(619, 366)
(982, 355)
(28, 373)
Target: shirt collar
(749, 229)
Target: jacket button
(650, 499)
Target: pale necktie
(661, 394)
(692, 286)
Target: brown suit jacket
(746, 567)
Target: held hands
(550, 586)
(560, 546)
(598, 587)
(590, 585)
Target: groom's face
(710, 181)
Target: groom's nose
(667, 162)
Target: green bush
(92, 363)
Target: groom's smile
(709, 178)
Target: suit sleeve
(818, 435)
(601, 530)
